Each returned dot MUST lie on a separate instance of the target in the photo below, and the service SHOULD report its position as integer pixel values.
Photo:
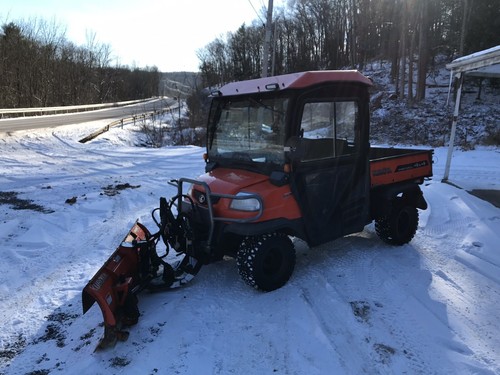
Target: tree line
(337, 34)
(39, 67)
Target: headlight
(245, 204)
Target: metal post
(453, 128)
(449, 88)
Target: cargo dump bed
(393, 165)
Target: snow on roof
(484, 63)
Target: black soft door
(333, 197)
(330, 178)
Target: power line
(258, 16)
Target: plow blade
(112, 287)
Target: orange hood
(231, 181)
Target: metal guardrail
(121, 122)
(21, 112)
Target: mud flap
(112, 286)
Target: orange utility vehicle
(287, 156)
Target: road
(36, 122)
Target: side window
(328, 129)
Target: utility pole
(179, 109)
(267, 39)
(275, 38)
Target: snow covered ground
(353, 306)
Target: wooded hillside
(39, 67)
(336, 34)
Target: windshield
(248, 129)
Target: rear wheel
(266, 262)
(399, 226)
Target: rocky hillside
(428, 123)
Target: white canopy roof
(484, 63)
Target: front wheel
(266, 262)
(399, 226)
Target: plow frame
(134, 264)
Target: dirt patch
(38, 372)
(119, 362)
(62, 317)
(10, 350)
(111, 190)
(55, 330)
(10, 198)
(85, 340)
(385, 352)
(361, 310)
(71, 200)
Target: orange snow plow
(133, 267)
(112, 285)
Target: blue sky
(164, 33)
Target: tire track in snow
(344, 287)
(388, 285)
(334, 329)
(388, 319)
(407, 317)
(462, 276)
(433, 319)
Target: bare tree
(423, 49)
(39, 67)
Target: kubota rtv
(287, 156)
